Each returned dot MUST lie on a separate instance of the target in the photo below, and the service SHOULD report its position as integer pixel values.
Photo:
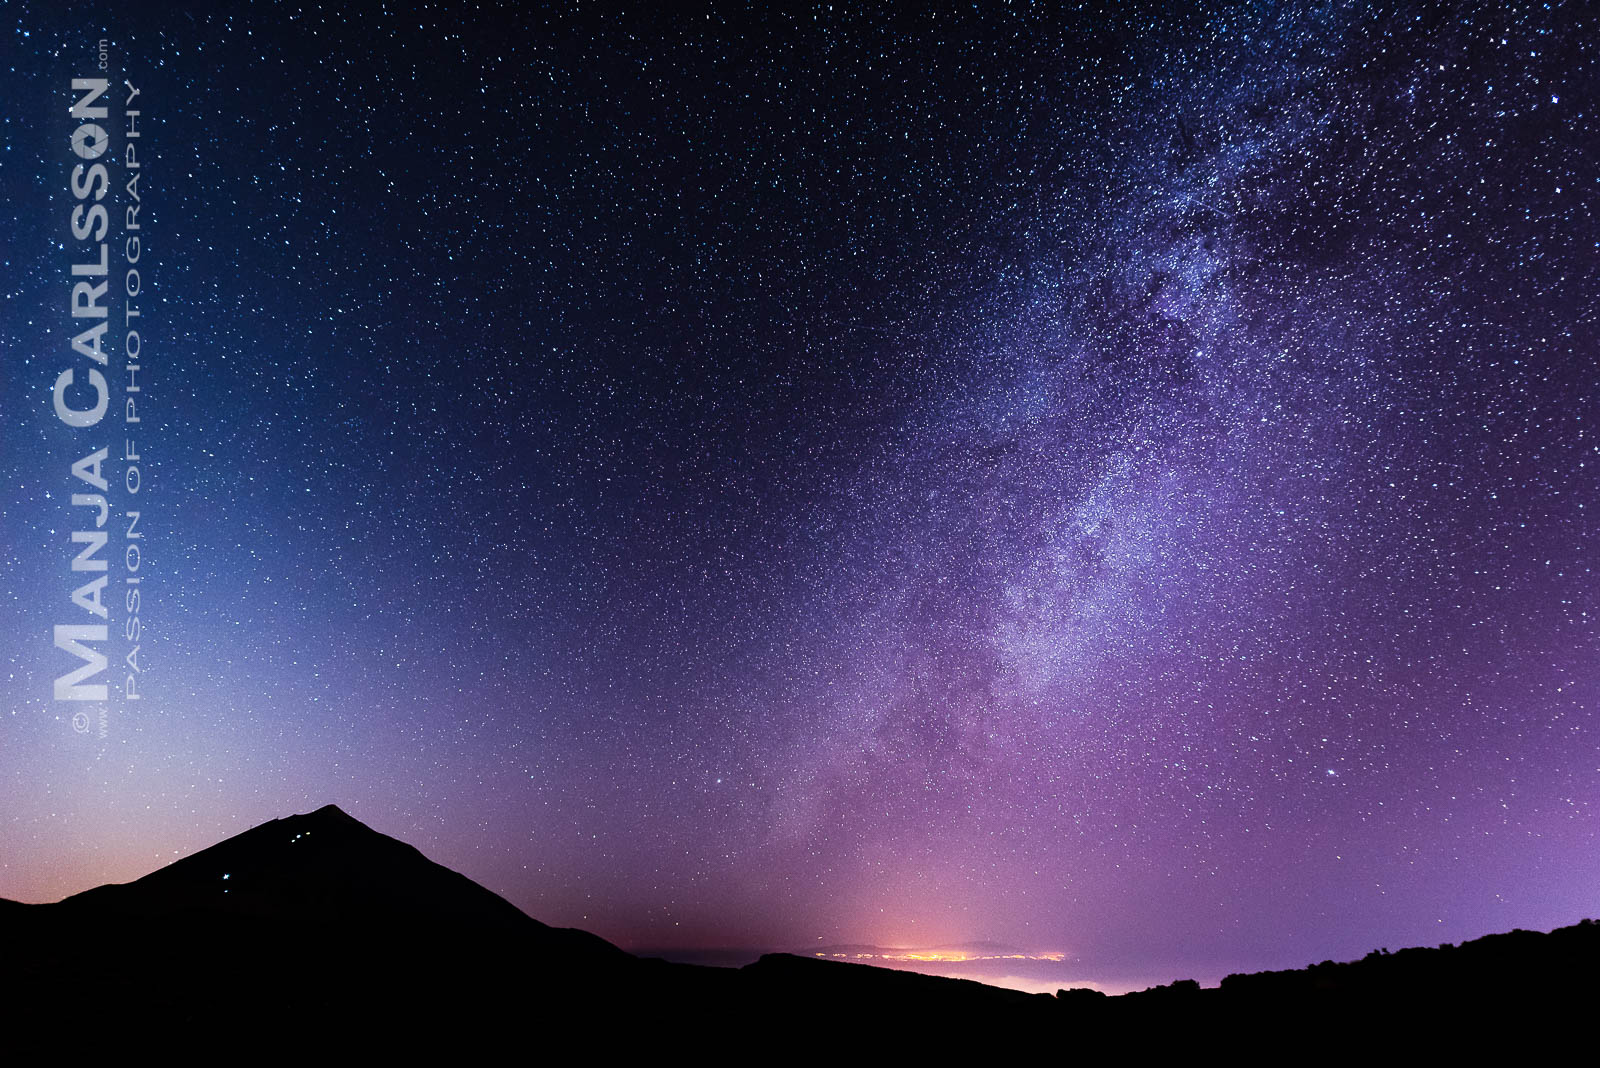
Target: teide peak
(315, 920)
(326, 869)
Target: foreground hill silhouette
(317, 924)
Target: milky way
(1115, 482)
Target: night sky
(1114, 481)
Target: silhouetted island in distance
(316, 924)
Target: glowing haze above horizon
(1120, 484)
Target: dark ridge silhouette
(317, 925)
(835, 986)
(324, 869)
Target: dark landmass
(316, 926)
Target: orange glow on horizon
(935, 956)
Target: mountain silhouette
(317, 916)
(325, 869)
(317, 925)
